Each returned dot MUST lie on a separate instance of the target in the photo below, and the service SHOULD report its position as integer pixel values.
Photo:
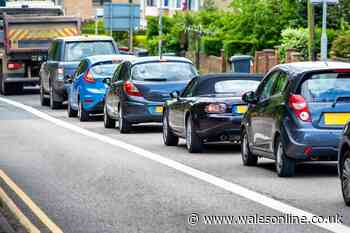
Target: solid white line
(229, 186)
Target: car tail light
(130, 89)
(300, 108)
(14, 66)
(88, 77)
(216, 108)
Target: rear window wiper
(341, 99)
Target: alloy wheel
(345, 179)
(165, 128)
(279, 159)
(188, 135)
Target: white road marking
(226, 185)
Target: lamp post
(324, 39)
(160, 28)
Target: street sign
(121, 16)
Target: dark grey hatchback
(297, 114)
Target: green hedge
(233, 47)
(212, 46)
(341, 46)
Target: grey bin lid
(240, 58)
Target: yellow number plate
(242, 108)
(159, 109)
(336, 118)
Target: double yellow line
(31, 205)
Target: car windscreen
(227, 86)
(326, 87)
(163, 71)
(76, 51)
(104, 69)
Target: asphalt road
(85, 185)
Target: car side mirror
(250, 97)
(107, 81)
(175, 95)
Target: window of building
(151, 2)
(100, 2)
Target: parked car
(140, 87)
(88, 89)
(344, 164)
(64, 57)
(210, 109)
(297, 114)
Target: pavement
(87, 185)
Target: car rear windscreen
(76, 51)
(104, 69)
(163, 71)
(235, 87)
(326, 87)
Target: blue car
(297, 114)
(87, 93)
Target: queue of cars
(294, 113)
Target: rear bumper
(93, 102)
(323, 144)
(34, 80)
(219, 127)
(142, 112)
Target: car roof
(303, 67)
(139, 60)
(233, 75)
(84, 38)
(103, 58)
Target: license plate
(159, 109)
(241, 109)
(336, 118)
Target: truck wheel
(43, 100)
(285, 166)
(71, 112)
(193, 142)
(54, 104)
(108, 121)
(82, 114)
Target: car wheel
(71, 112)
(193, 142)
(248, 158)
(43, 100)
(123, 124)
(54, 104)
(83, 115)
(108, 121)
(345, 178)
(285, 166)
(169, 138)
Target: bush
(233, 47)
(294, 39)
(89, 27)
(212, 46)
(140, 41)
(341, 46)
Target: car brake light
(130, 89)
(216, 108)
(88, 77)
(14, 66)
(299, 107)
(60, 71)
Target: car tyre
(169, 138)
(248, 158)
(54, 104)
(194, 143)
(285, 166)
(108, 121)
(123, 124)
(345, 177)
(43, 100)
(71, 112)
(83, 115)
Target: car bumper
(218, 127)
(142, 112)
(93, 102)
(312, 144)
(34, 80)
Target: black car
(344, 164)
(210, 109)
(140, 86)
(64, 57)
(297, 114)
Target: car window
(265, 90)
(124, 72)
(81, 68)
(75, 51)
(163, 71)
(116, 74)
(326, 87)
(280, 84)
(53, 51)
(190, 88)
(235, 87)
